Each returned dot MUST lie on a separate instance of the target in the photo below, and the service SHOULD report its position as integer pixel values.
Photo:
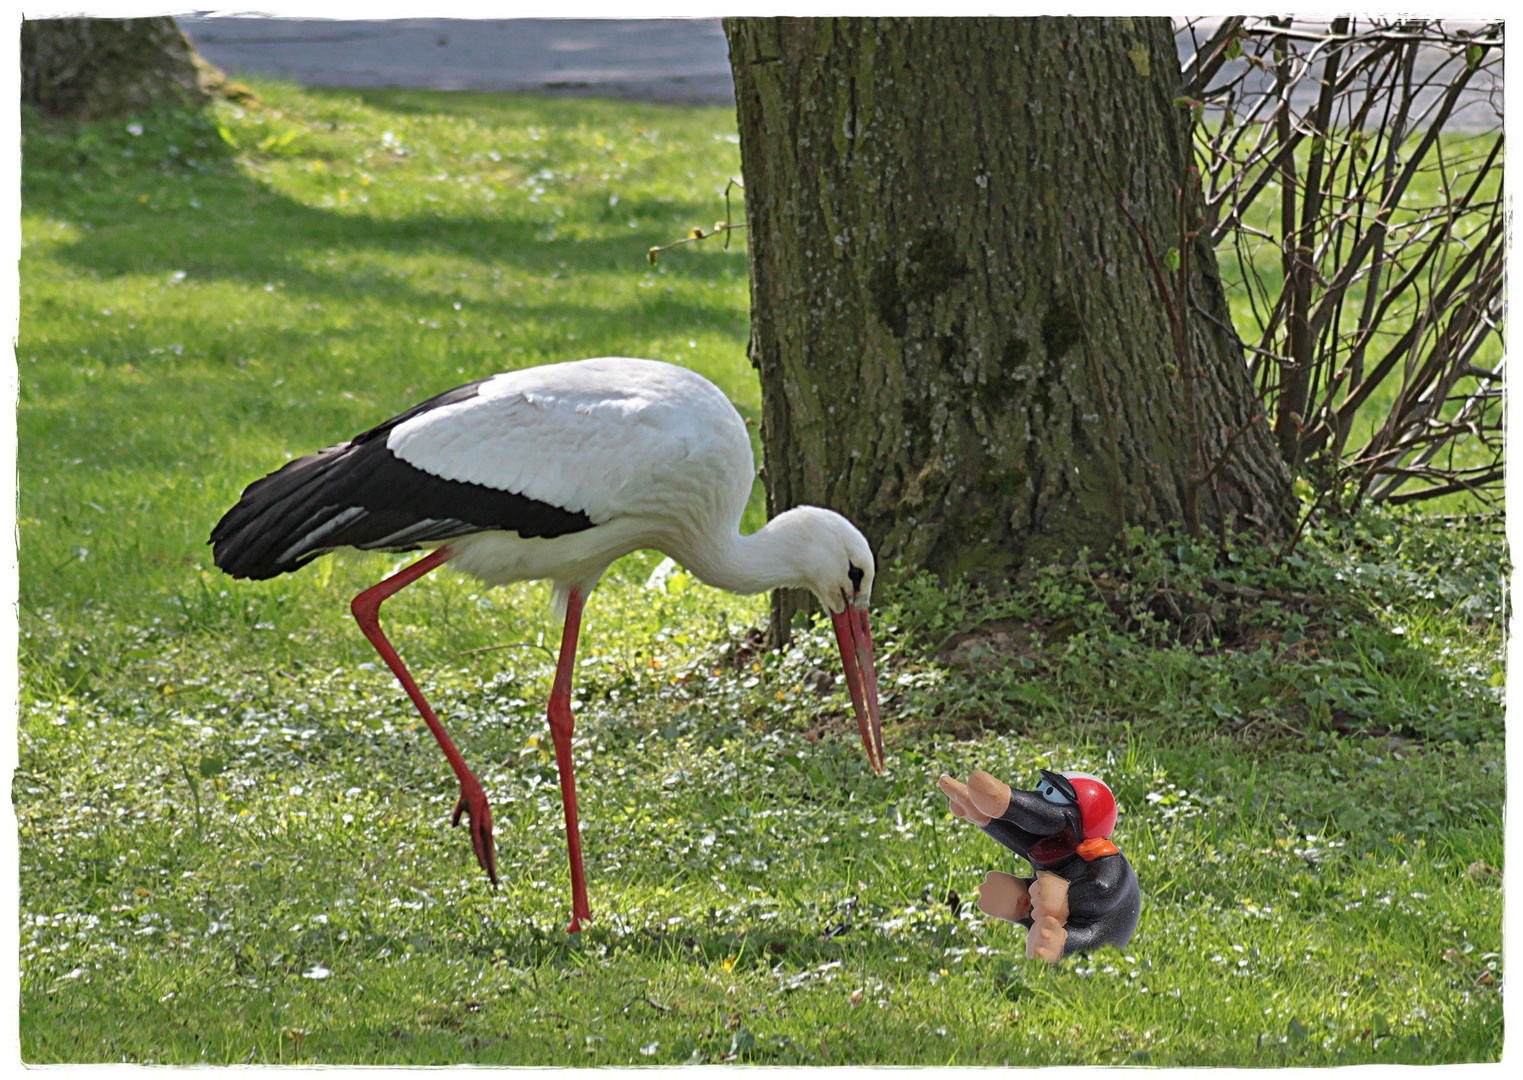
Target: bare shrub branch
(1351, 173)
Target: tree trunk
(962, 343)
(92, 68)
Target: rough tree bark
(961, 342)
(93, 68)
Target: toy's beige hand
(990, 797)
(962, 802)
(1004, 896)
(1049, 895)
(1049, 913)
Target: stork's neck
(767, 559)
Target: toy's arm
(1002, 832)
(1102, 888)
(1049, 917)
(1040, 904)
(1005, 896)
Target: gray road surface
(663, 60)
(668, 60)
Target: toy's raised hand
(983, 800)
(962, 800)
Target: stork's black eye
(855, 573)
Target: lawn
(233, 832)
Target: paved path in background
(665, 60)
(680, 61)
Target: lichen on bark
(958, 339)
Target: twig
(697, 234)
(1452, 488)
(1147, 248)
(1290, 547)
(726, 226)
(509, 645)
(1365, 264)
(1182, 350)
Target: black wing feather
(359, 494)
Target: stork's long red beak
(861, 679)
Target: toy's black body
(1104, 899)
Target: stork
(554, 472)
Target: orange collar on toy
(1093, 849)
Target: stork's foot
(473, 804)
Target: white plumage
(553, 473)
(609, 436)
(654, 454)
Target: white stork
(554, 472)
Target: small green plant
(232, 832)
(1175, 633)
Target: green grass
(233, 832)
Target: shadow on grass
(173, 199)
(788, 953)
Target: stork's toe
(478, 811)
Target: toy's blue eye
(1052, 794)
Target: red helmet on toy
(1097, 806)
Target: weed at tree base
(233, 833)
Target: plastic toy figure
(1084, 893)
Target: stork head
(827, 555)
(832, 559)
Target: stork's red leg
(473, 799)
(561, 723)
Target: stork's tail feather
(355, 494)
(282, 520)
(359, 494)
